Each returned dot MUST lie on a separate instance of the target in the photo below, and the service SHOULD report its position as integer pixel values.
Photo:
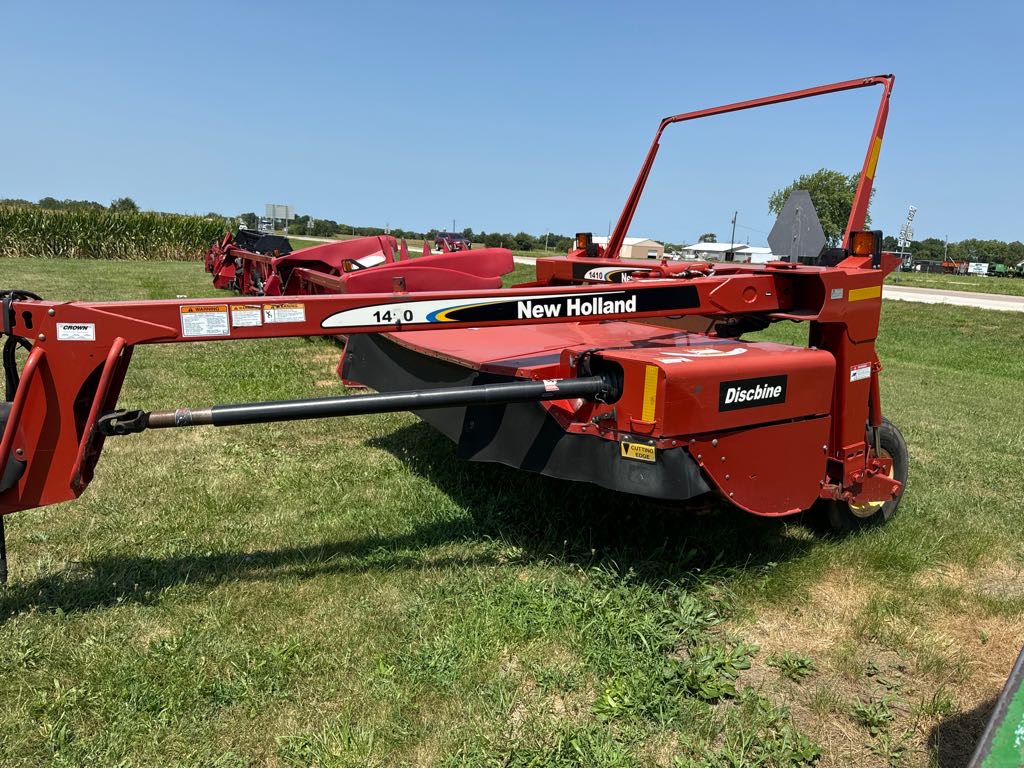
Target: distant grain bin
(636, 248)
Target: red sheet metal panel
(770, 470)
(706, 384)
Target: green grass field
(346, 592)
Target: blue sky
(513, 116)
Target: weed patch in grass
(795, 667)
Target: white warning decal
(76, 332)
(204, 320)
(246, 315)
(292, 312)
(860, 371)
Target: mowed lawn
(347, 592)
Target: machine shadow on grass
(543, 518)
(585, 524)
(953, 740)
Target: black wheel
(843, 517)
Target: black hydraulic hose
(8, 358)
(10, 365)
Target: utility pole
(453, 225)
(732, 238)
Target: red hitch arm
(81, 351)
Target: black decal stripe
(743, 392)
(661, 299)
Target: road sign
(797, 232)
(279, 211)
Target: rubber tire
(838, 514)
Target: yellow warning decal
(650, 393)
(870, 292)
(640, 451)
(873, 161)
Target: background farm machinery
(266, 265)
(452, 241)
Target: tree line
(970, 250)
(123, 205)
(831, 192)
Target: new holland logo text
(575, 306)
(494, 308)
(746, 393)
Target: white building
(756, 255)
(636, 248)
(721, 252)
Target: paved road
(961, 298)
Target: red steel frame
(67, 384)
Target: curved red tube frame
(862, 197)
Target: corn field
(105, 235)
